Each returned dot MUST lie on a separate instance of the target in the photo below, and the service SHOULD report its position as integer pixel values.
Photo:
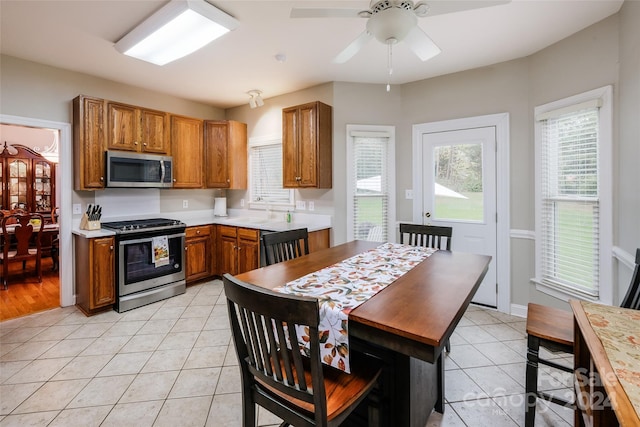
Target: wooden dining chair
(429, 236)
(22, 244)
(552, 329)
(285, 245)
(275, 375)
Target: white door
(459, 184)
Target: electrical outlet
(301, 205)
(408, 194)
(185, 204)
(77, 208)
(242, 203)
(311, 206)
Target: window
(573, 206)
(371, 183)
(265, 173)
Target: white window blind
(266, 175)
(370, 190)
(570, 199)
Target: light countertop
(237, 218)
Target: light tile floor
(172, 364)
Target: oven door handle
(148, 239)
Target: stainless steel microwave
(139, 170)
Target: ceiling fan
(393, 21)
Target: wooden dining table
(407, 324)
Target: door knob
(427, 214)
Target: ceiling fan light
(393, 23)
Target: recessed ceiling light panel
(179, 28)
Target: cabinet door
(289, 147)
(237, 155)
(122, 127)
(216, 153)
(187, 152)
(198, 252)
(19, 184)
(154, 132)
(248, 249)
(103, 264)
(307, 146)
(228, 255)
(88, 143)
(43, 186)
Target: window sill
(563, 294)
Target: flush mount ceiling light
(179, 28)
(256, 98)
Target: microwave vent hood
(138, 170)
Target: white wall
(627, 150)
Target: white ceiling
(79, 35)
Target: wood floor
(25, 295)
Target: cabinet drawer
(203, 230)
(249, 234)
(228, 231)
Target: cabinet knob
(111, 247)
(175, 180)
(228, 180)
(144, 144)
(186, 248)
(102, 179)
(197, 231)
(135, 142)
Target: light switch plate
(77, 208)
(408, 194)
(312, 206)
(301, 205)
(185, 204)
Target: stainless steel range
(149, 260)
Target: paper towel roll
(220, 206)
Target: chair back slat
(632, 298)
(264, 334)
(426, 235)
(285, 245)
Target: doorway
(64, 197)
(461, 179)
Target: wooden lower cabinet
(319, 239)
(199, 252)
(95, 270)
(238, 249)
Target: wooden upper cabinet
(306, 146)
(88, 143)
(132, 128)
(187, 151)
(225, 150)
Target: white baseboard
(519, 310)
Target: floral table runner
(343, 286)
(619, 332)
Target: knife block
(85, 224)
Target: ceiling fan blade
(353, 48)
(440, 7)
(421, 44)
(301, 12)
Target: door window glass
(458, 192)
